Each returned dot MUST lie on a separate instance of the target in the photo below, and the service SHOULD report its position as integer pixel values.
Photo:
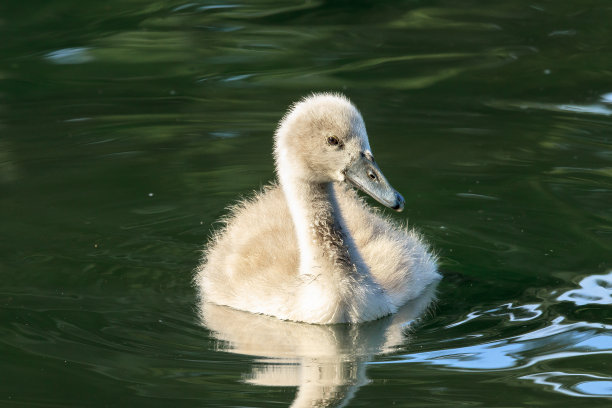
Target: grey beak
(364, 174)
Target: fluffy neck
(323, 239)
(324, 242)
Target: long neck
(322, 237)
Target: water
(127, 127)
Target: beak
(364, 174)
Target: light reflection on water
(573, 384)
(76, 55)
(594, 289)
(593, 109)
(551, 345)
(513, 313)
(553, 342)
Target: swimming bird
(307, 248)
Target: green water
(126, 128)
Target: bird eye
(333, 141)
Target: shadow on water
(326, 362)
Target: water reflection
(75, 55)
(555, 341)
(594, 289)
(326, 362)
(575, 385)
(593, 109)
(518, 313)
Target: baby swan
(309, 249)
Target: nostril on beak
(372, 176)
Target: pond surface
(127, 127)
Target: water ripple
(518, 313)
(75, 55)
(556, 341)
(592, 109)
(575, 385)
(594, 289)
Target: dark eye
(333, 141)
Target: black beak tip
(399, 202)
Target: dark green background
(126, 127)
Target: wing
(398, 258)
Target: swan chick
(307, 248)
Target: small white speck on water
(547, 72)
(151, 194)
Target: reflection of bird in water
(308, 249)
(327, 362)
